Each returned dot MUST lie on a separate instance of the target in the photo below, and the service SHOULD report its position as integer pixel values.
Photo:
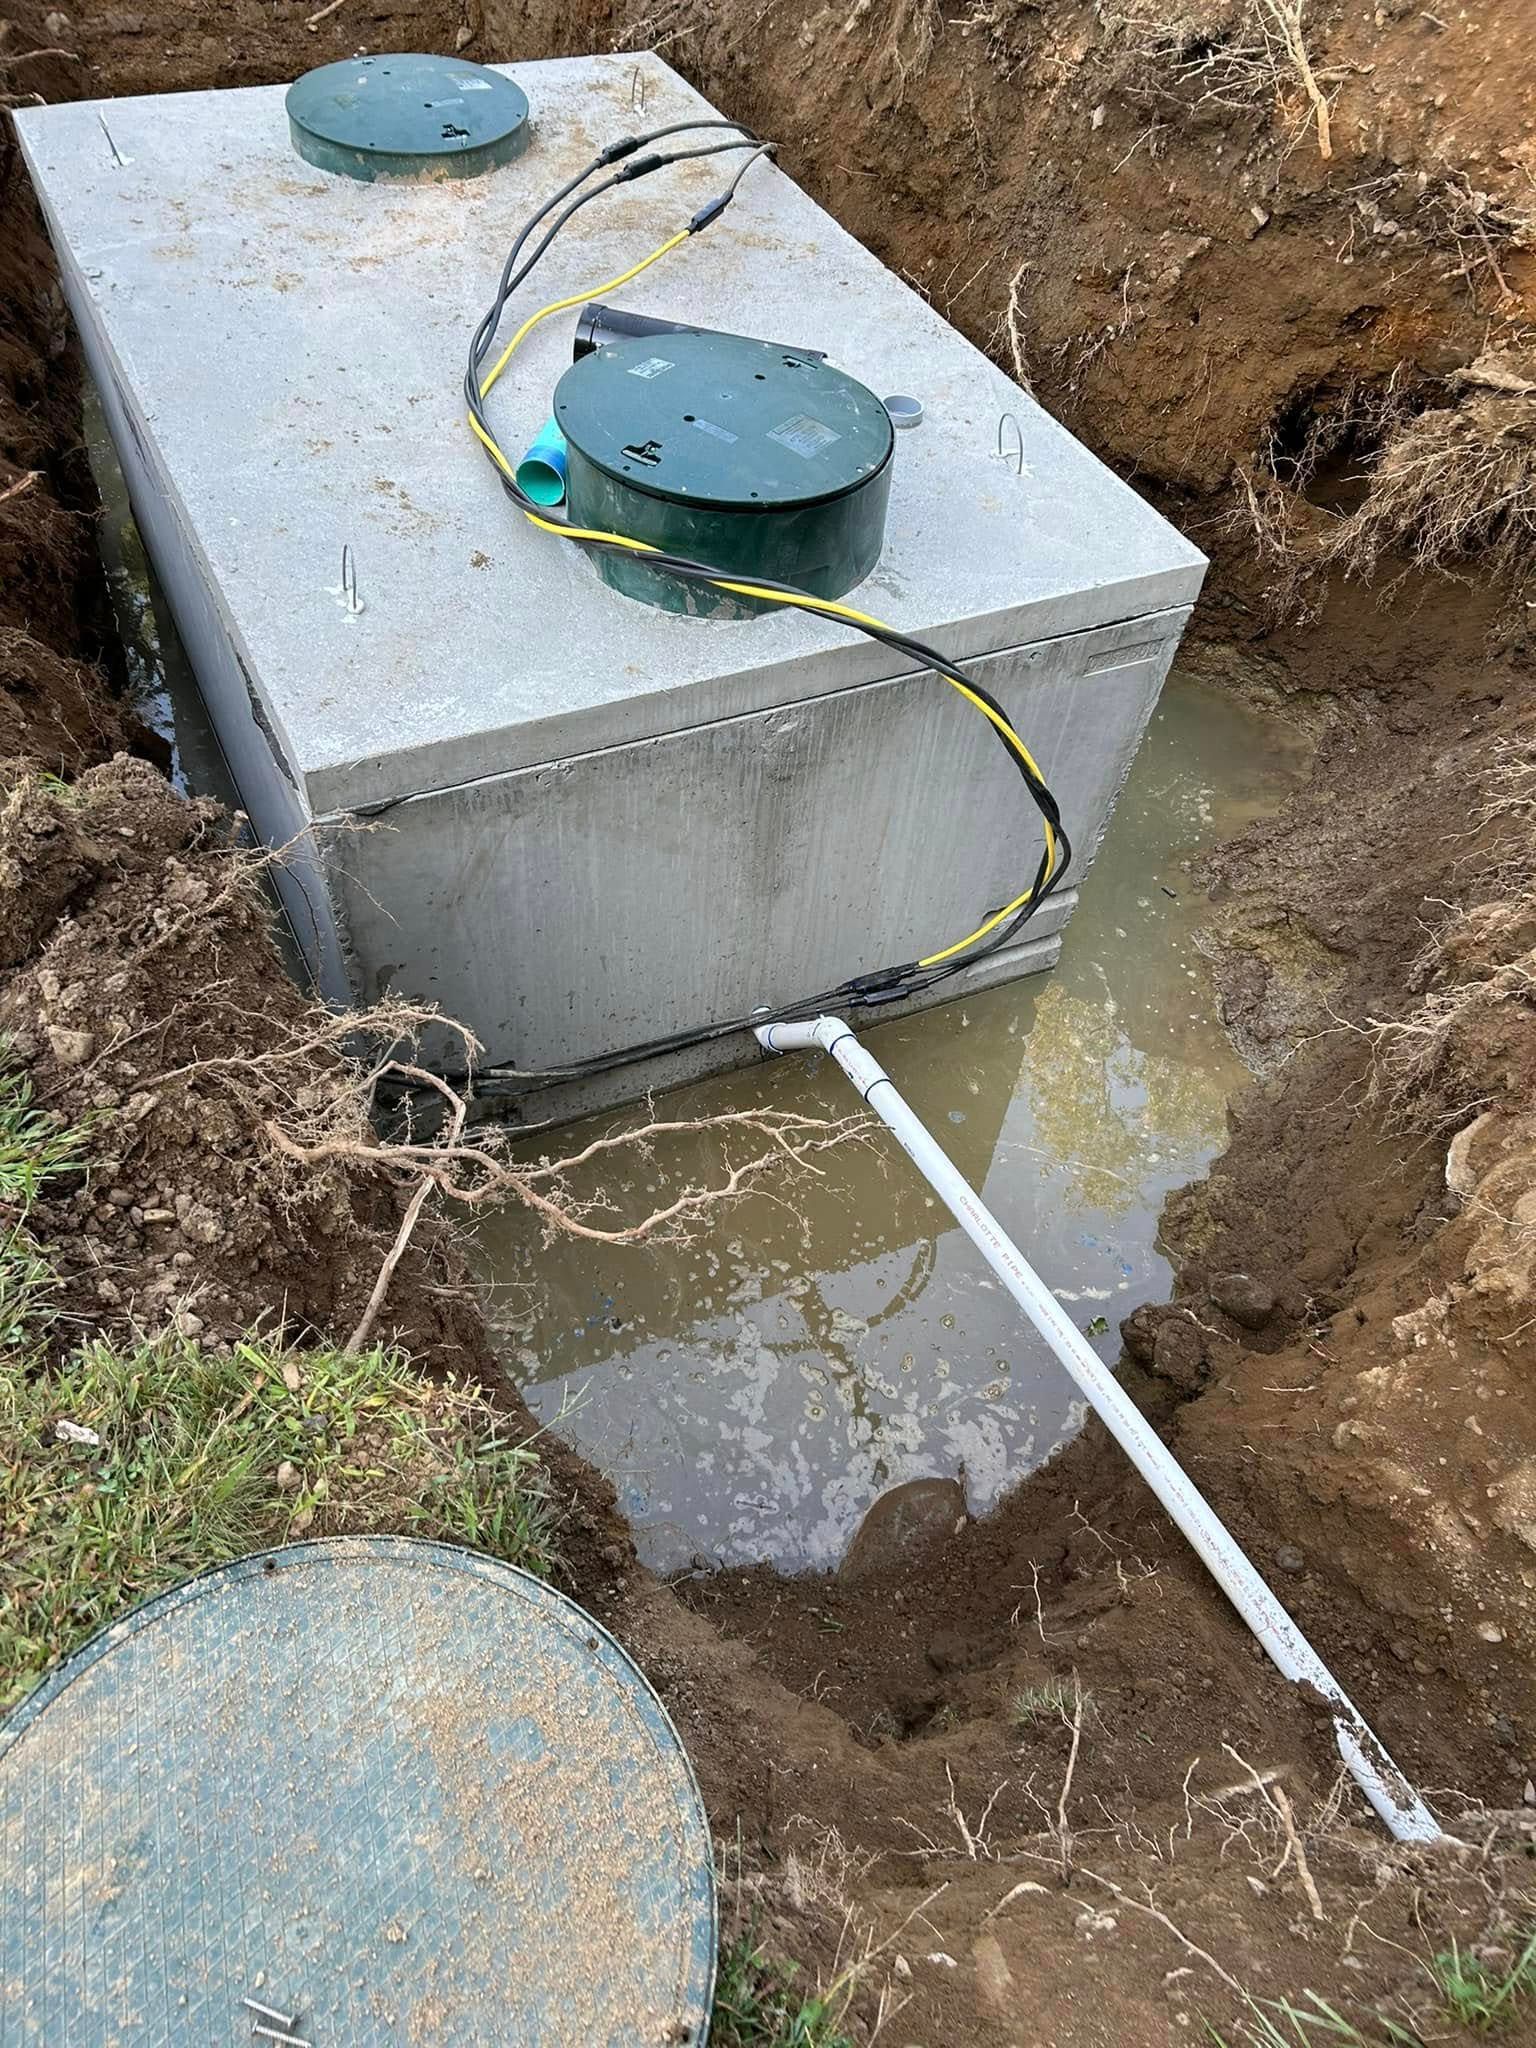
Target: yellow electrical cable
(805, 602)
(998, 917)
(576, 299)
(801, 600)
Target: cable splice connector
(708, 213)
(716, 207)
(625, 146)
(640, 168)
(869, 991)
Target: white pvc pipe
(1373, 1770)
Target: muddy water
(752, 1393)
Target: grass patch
(34, 1144)
(1479, 1997)
(756, 2005)
(126, 1468)
(1054, 1699)
(34, 1148)
(1279, 2023)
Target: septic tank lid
(347, 1791)
(723, 421)
(407, 117)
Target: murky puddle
(752, 1393)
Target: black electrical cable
(615, 152)
(507, 284)
(763, 149)
(890, 985)
(641, 167)
(869, 991)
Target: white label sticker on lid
(804, 436)
(653, 366)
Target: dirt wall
(1089, 194)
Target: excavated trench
(1343, 1362)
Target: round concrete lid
(407, 117)
(375, 1788)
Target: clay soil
(1028, 1772)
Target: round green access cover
(739, 453)
(407, 117)
(722, 421)
(358, 1794)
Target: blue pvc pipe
(541, 473)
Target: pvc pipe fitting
(541, 473)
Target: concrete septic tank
(575, 821)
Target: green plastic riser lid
(723, 421)
(386, 1790)
(733, 452)
(407, 116)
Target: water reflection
(751, 1394)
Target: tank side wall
(575, 909)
